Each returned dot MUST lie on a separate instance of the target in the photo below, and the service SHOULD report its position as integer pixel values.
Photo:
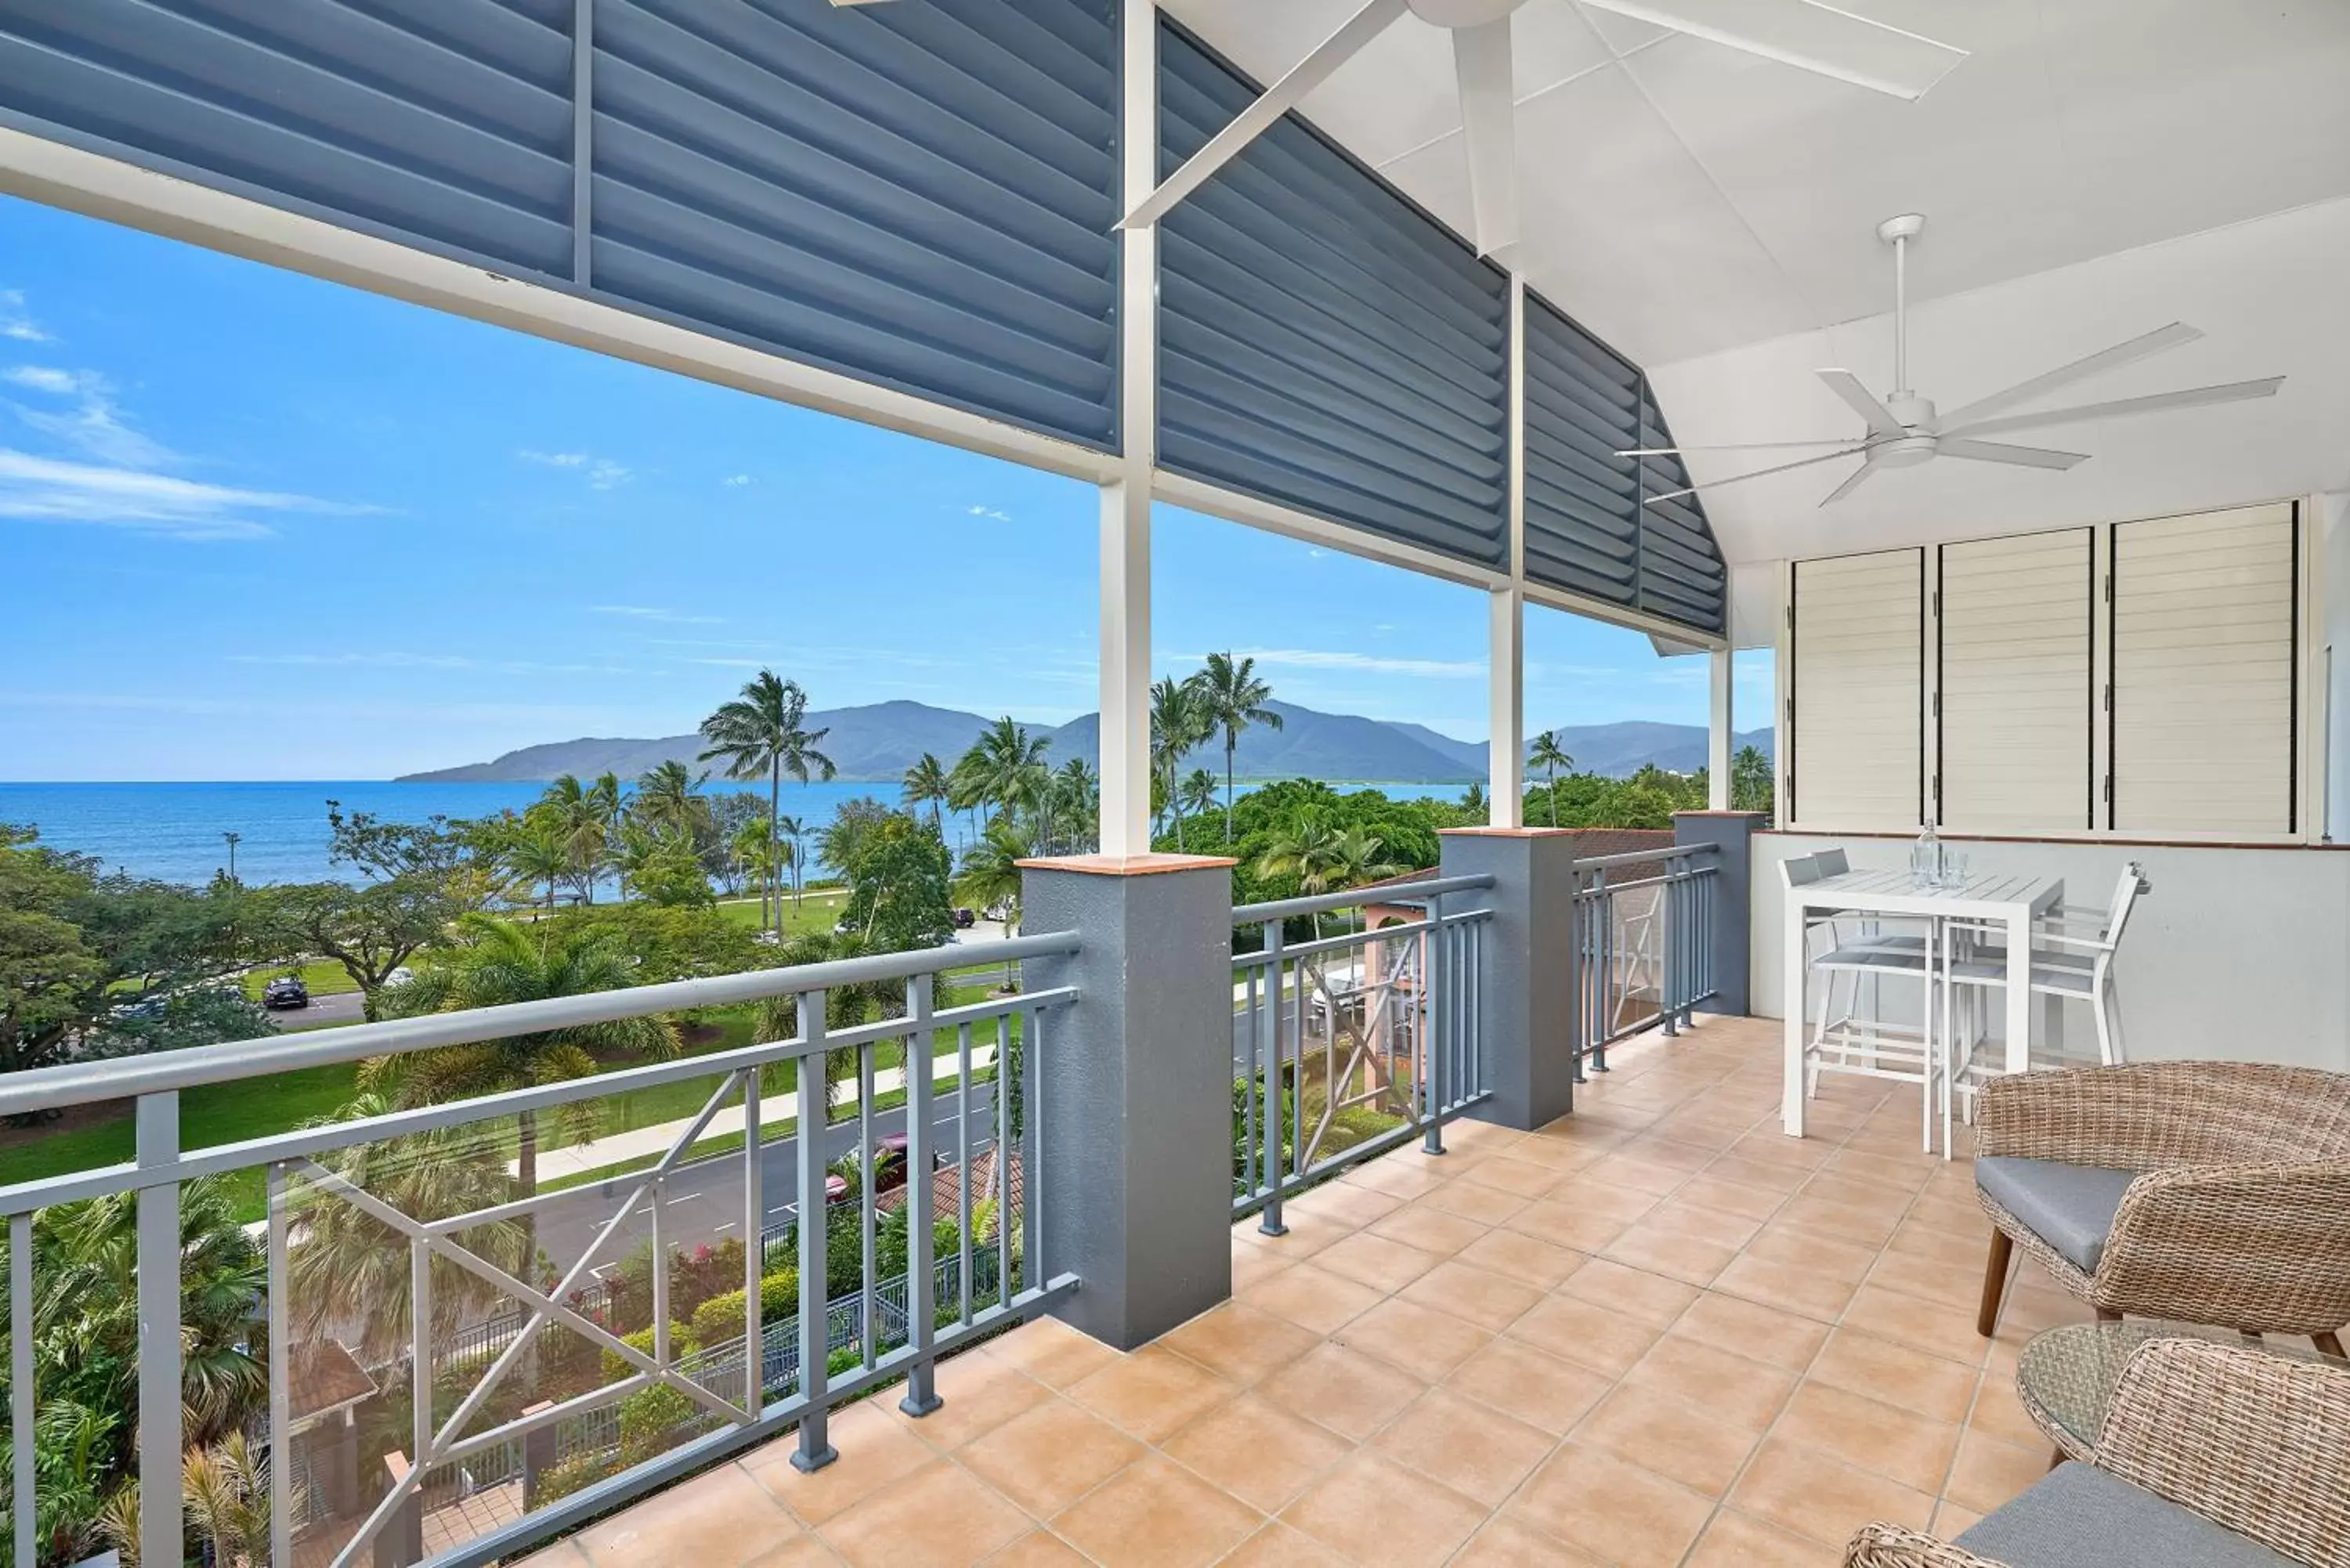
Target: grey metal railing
(1643, 935)
(898, 1336)
(1346, 1046)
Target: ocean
(172, 831)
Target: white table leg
(1790, 996)
(2018, 988)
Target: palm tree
(1235, 702)
(762, 731)
(1359, 856)
(1199, 791)
(1307, 849)
(991, 868)
(1550, 756)
(793, 830)
(224, 1489)
(1177, 723)
(348, 1267)
(538, 854)
(1004, 766)
(1078, 791)
(496, 962)
(927, 784)
(669, 795)
(575, 813)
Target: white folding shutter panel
(2015, 717)
(1858, 675)
(2203, 672)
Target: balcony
(1656, 1332)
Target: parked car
(400, 976)
(965, 919)
(285, 993)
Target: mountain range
(881, 740)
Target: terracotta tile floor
(1658, 1333)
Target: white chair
(2072, 957)
(1866, 1045)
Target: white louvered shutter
(2203, 672)
(2015, 714)
(1858, 673)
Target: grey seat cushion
(2070, 1207)
(2077, 1516)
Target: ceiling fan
(1809, 34)
(1904, 429)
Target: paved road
(705, 1196)
(342, 1007)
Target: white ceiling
(1682, 197)
(2094, 169)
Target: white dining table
(2016, 903)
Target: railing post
(1133, 1127)
(1439, 976)
(1527, 972)
(1670, 944)
(815, 1449)
(921, 1380)
(1726, 938)
(1601, 955)
(1269, 1084)
(161, 1539)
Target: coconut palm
(1197, 791)
(494, 964)
(1235, 703)
(1004, 767)
(763, 730)
(669, 795)
(1177, 723)
(1307, 848)
(794, 832)
(1359, 856)
(927, 784)
(1076, 794)
(1550, 756)
(539, 854)
(347, 1267)
(991, 869)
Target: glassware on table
(1954, 868)
(1925, 860)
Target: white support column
(1720, 728)
(1506, 756)
(1126, 499)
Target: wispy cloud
(734, 480)
(660, 613)
(94, 423)
(1370, 663)
(15, 321)
(601, 472)
(990, 512)
(395, 658)
(45, 490)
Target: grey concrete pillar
(1528, 986)
(1135, 1134)
(1733, 835)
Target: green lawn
(817, 912)
(323, 976)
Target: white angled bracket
(1258, 118)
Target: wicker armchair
(2250, 1443)
(2233, 1183)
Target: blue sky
(255, 525)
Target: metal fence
(318, 1178)
(1644, 941)
(1345, 1046)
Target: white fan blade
(1258, 117)
(1737, 478)
(2154, 342)
(1818, 39)
(1489, 126)
(2000, 451)
(2190, 397)
(1849, 485)
(1734, 446)
(1847, 386)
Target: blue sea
(172, 831)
